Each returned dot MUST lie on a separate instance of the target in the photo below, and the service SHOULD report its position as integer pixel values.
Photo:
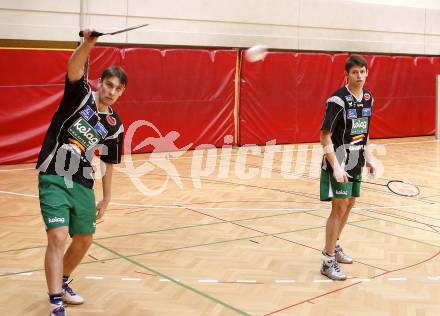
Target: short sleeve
(113, 152)
(74, 92)
(334, 108)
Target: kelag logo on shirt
(359, 126)
(84, 133)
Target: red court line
(312, 298)
(94, 258)
(353, 284)
(405, 218)
(141, 272)
(281, 238)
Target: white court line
(246, 281)
(434, 278)
(397, 279)
(25, 273)
(131, 279)
(89, 277)
(268, 209)
(208, 281)
(168, 280)
(243, 208)
(12, 170)
(360, 280)
(19, 194)
(314, 146)
(284, 281)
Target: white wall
(389, 26)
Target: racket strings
(403, 188)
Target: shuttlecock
(256, 53)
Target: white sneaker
(57, 310)
(330, 268)
(70, 297)
(342, 257)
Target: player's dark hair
(114, 71)
(355, 60)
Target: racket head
(403, 188)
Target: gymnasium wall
(186, 95)
(191, 96)
(386, 26)
(283, 98)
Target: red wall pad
(30, 92)
(268, 99)
(188, 91)
(318, 76)
(30, 88)
(283, 97)
(404, 90)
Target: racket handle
(94, 34)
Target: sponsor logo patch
(111, 120)
(101, 129)
(341, 192)
(355, 147)
(56, 219)
(359, 126)
(349, 98)
(84, 133)
(366, 112)
(87, 113)
(357, 139)
(352, 114)
(367, 96)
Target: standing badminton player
(344, 135)
(83, 121)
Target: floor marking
(284, 281)
(93, 277)
(131, 279)
(168, 280)
(12, 170)
(146, 273)
(313, 146)
(25, 273)
(19, 194)
(247, 209)
(360, 280)
(208, 281)
(397, 279)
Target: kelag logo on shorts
(84, 133)
(360, 126)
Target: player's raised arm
(79, 57)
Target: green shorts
(61, 206)
(330, 188)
